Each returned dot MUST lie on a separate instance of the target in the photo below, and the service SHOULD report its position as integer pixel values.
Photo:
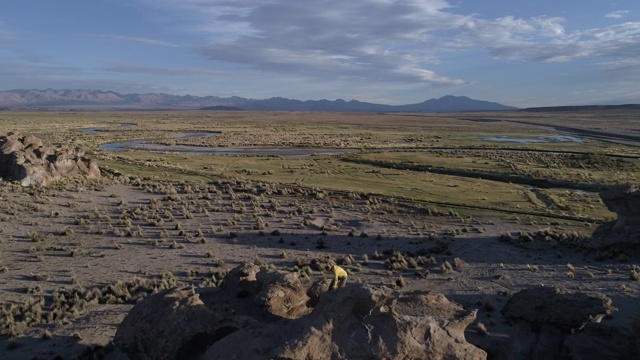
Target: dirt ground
(96, 234)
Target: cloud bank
(390, 41)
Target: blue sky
(517, 52)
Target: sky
(517, 52)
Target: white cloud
(546, 40)
(429, 76)
(617, 14)
(374, 40)
(385, 42)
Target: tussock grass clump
(571, 271)
(324, 263)
(75, 252)
(571, 268)
(36, 237)
(505, 237)
(347, 260)
(175, 245)
(66, 231)
(525, 237)
(397, 261)
(446, 267)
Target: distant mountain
(221, 108)
(95, 99)
(584, 108)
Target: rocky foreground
(262, 313)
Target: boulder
(317, 289)
(543, 317)
(261, 313)
(172, 324)
(600, 341)
(27, 160)
(283, 294)
(556, 306)
(624, 200)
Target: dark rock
(316, 290)
(543, 317)
(555, 306)
(172, 324)
(600, 341)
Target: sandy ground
(60, 238)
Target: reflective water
(290, 152)
(538, 139)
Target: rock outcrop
(555, 306)
(600, 341)
(30, 162)
(185, 322)
(624, 200)
(265, 314)
(550, 323)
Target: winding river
(290, 152)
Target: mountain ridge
(98, 99)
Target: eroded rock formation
(624, 200)
(260, 313)
(551, 323)
(27, 160)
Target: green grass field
(391, 152)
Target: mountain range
(105, 100)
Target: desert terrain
(474, 206)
